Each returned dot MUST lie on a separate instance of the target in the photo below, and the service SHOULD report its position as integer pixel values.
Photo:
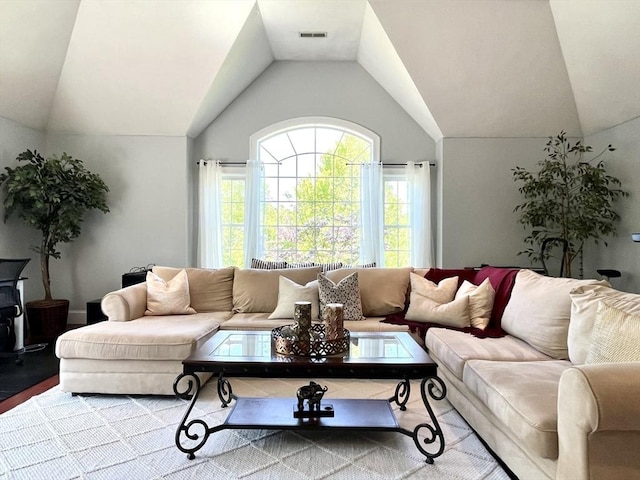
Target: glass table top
(362, 346)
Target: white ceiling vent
(312, 34)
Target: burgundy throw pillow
(502, 280)
(437, 274)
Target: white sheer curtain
(209, 231)
(372, 215)
(419, 183)
(253, 244)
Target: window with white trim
(310, 199)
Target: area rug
(59, 436)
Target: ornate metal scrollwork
(434, 432)
(185, 395)
(401, 396)
(191, 429)
(225, 393)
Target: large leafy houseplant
(567, 198)
(52, 195)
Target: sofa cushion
(382, 290)
(254, 321)
(616, 336)
(211, 290)
(539, 311)
(453, 314)
(267, 264)
(171, 337)
(523, 396)
(290, 292)
(169, 297)
(584, 306)
(454, 348)
(256, 291)
(443, 292)
(481, 299)
(345, 292)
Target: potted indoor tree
(568, 200)
(52, 195)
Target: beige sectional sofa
(545, 397)
(535, 397)
(134, 353)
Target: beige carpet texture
(59, 436)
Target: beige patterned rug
(58, 436)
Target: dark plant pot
(47, 319)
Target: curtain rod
(431, 164)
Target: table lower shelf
(277, 413)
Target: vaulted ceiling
(460, 68)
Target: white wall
(148, 221)
(296, 89)
(622, 253)
(15, 236)
(476, 219)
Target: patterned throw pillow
(168, 298)
(346, 292)
(329, 266)
(267, 264)
(300, 265)
(616, 336)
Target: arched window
(312, 189)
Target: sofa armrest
(599, 421)
(125, 304)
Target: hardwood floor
(25, 395)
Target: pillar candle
(333, 318)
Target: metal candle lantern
(333, 317)
(302, 316)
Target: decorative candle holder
(333, 319)
(302, 316)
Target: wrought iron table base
(198, 430)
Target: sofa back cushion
(256, 291)
(211, 290)
(584, 308)
(539, 309)
(382, 290)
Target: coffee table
(393, 355)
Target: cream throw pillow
(443, 292)
(290, 293)
(430, 302)
(168, 297)
(480, 302)
(539, 309)
(616, 336)
(584, 309)
(452, 314)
